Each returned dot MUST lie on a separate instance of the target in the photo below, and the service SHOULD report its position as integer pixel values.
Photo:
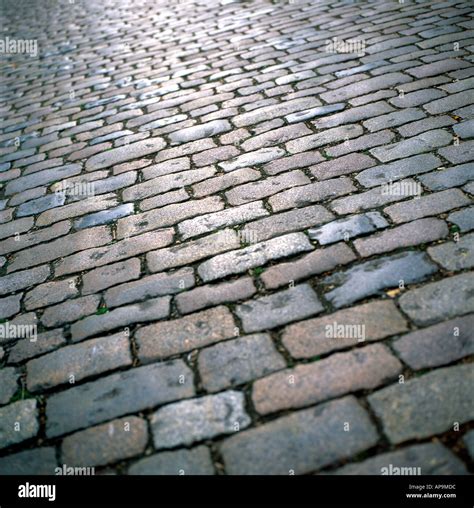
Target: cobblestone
(204, 418)
(237, 361)
(97, 446)
(299, 442)
(40, 461)
(117, 394)
(440, 300)
(209, 295)
(239, 261)
(185, 334)
(414, 233)
(419, 408)
(74, 363)
(372, 277)
(431, 458)
(437, 345)
(278, 309)
(314, 382)
(433, 204)
(196, 461)
(162, 192)
(310, 338)
(18, 422)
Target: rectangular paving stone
(41, 178)
(279, 308)
(70, 310)
(9, 377)
(228, 217)
(104, 217)
(167, 216)
(185, 149)
(372, 277)
(273, 111)
(45, 342)
(449, 103)
(39, 205)
(168, 338)
(214, 155)
(189, 252)
(149, 310)
(308, 194)
(353, 115)
(264, 188)
(10, 305)
(450, 297)
(165, 183)
(362, 143)
(438, 344)
(74, 242)
(428, 458)
(210, 295)
(125, 153)
(107, 443)
(50, 293)
(427, 124)
(188, 421)
(105, 276)
(165, 168)
(344, 229)
(454, 256)
(238, 361)
(204, 130)
(275, 137)
(118, 394)
(223, 182)
(365, 86)
(418, 98)
(286, 222)
(301, 442)
(414, 233)
(363, 369)
(464, 219)
(424, 142)
(308, 114)
(300, 160)
(250, 159)
(326, 137)
(318, 261)
(164, 199)
(23, 280)
(196, 461)
(464, 129)
(123, 249)
(393, 171)
(457, 154)
(78, 362)
(427, 405)
(432, 204)
(39, 461)
(18, 422)
(342, 166)
(15, 227)
(241, 260)
(447, 178)
(151, 286)
(375, 320)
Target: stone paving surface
(236, 237)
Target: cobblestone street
(237, 237)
